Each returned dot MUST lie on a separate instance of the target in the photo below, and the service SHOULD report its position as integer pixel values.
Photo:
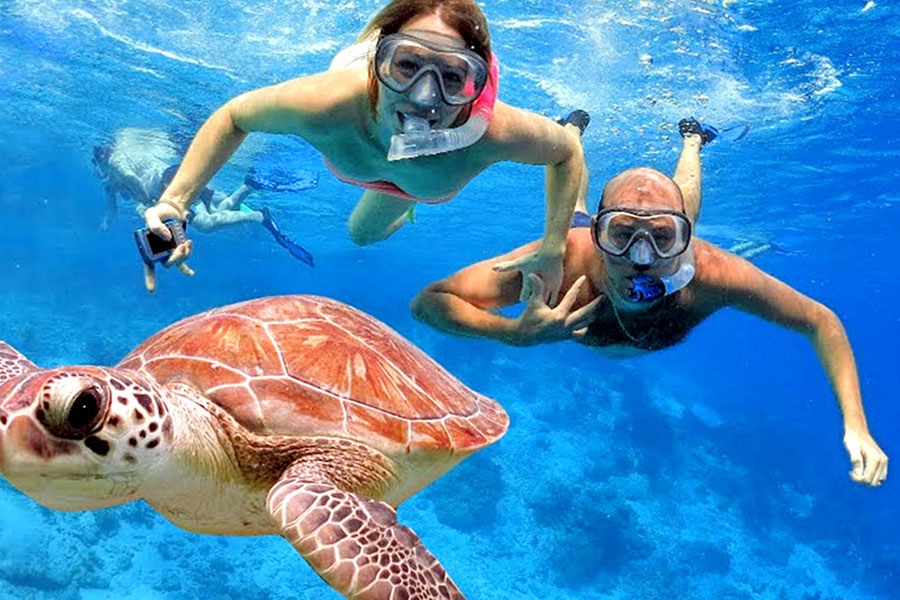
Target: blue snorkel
(646, 288)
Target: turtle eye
(77, 419)
(85, 409)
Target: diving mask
(619, 232)
(401, 60)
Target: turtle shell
(307, 365)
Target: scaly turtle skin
(295, 415)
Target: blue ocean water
(711, 470)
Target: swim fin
(296, 250)
(579, 118)
(708, 133)
(692, 126)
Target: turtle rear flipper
(13, 363)
(354, 543)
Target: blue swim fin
(296, 250)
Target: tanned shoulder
(718, 271)
(305, 105)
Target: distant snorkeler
(410, 112)
(639, 281)
(139, 164)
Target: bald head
(642, 188)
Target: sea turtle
(292, 415)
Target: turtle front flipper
(13, 363)
(354, 543)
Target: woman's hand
(154, 217)
(549, 270)
(869, 462)
(540, 324)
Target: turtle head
(81, 438)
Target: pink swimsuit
(484, 105)
(382, 186)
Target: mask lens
(455, 74)
(663, 231)
(405, 65)
(400, 60)
(615, 232)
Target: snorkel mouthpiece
(416, 134)
(646, 288)
(418, 139)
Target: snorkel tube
(645, 288)
(418, 139)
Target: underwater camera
(156, 249)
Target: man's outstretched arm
(462, 303)
(751, 290)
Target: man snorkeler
(639, 281)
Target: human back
(137, 160)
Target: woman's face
(424, 98)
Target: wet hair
(464, 16)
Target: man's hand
(870, 463)
(154, 216)
(540, 324)
(548, 268)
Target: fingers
(872, 467)
(554, 294)
(868, 460)
(155, 224)
(149, 278)
(583, 317)
(856, 460)
(571, 296)
(580, 333)
(180, 254)
(525, 292)
(876, 466)
(186, 270)
(510, 265)
(536, 289)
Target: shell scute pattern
(299, 365)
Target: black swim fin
(579, 118)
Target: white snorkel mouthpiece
(418, 139)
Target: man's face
(644, 190)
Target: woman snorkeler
(410, 113)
